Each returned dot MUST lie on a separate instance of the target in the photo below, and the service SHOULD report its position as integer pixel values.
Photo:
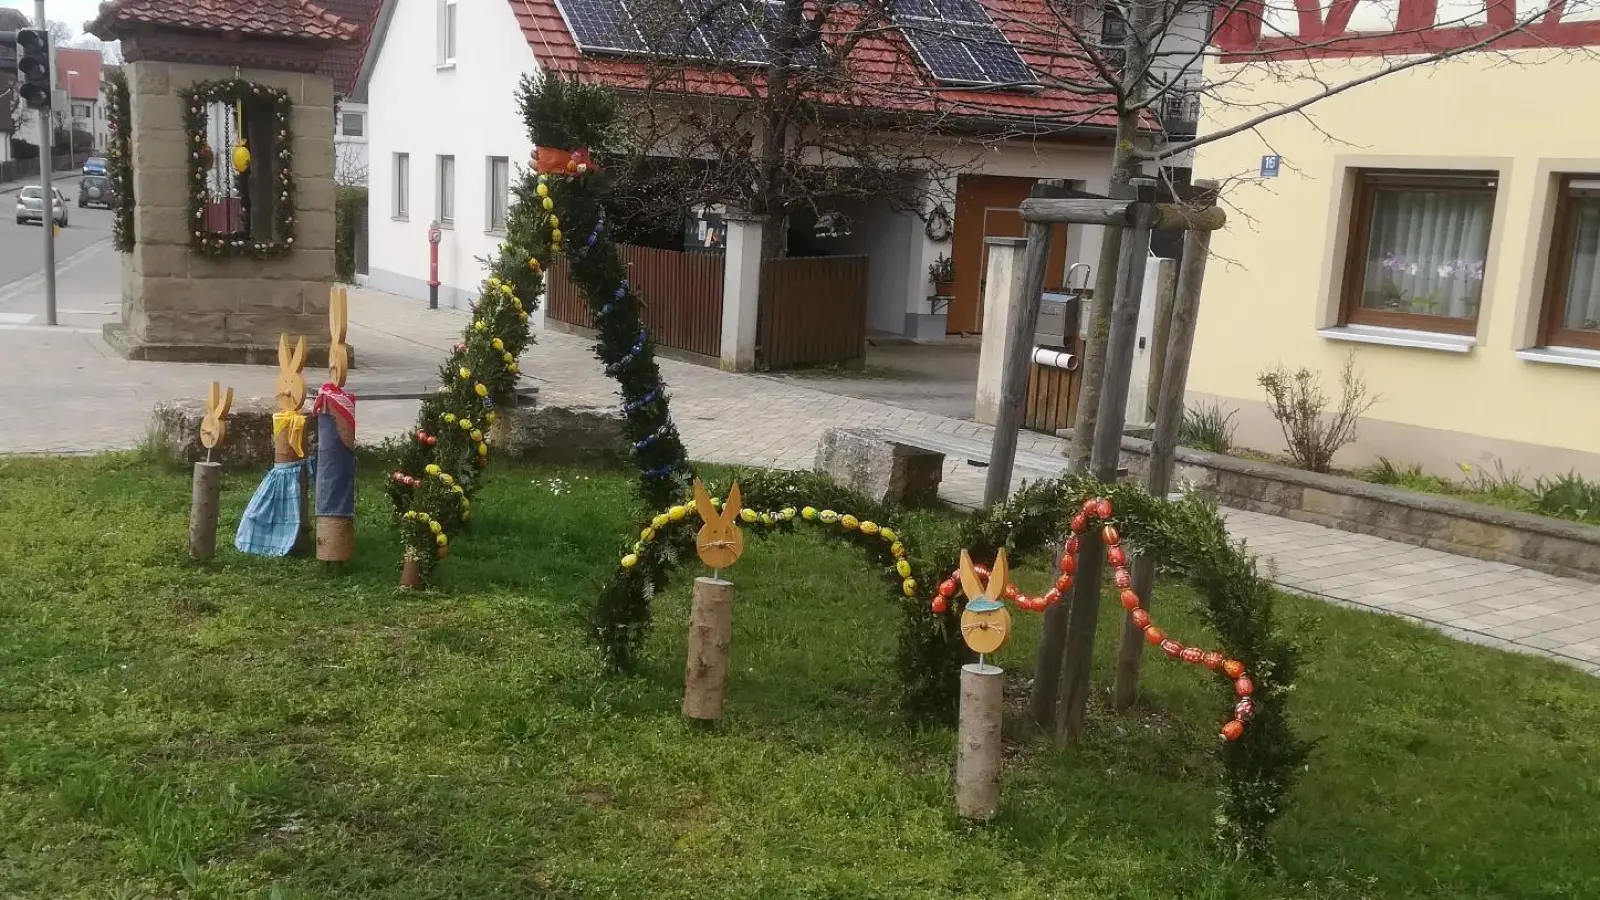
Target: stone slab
(880, 468)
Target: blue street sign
(1269, 166)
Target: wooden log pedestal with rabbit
(985, 625)
(335, 411)
(719, 543)
(275, 517)
(207, 493)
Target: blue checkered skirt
(271, 522)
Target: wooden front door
(988, 206)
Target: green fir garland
(439, 462)
(119, 158)
(234, 93)
(562, 210)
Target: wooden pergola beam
(1121, 213)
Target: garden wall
(1441, 523)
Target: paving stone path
(70, 394)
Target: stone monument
(229, 251)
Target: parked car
(30, 206)
(94, 165)
(96, 190)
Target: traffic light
(33, 67)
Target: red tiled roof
(343, 63)
(886, 71)
(265, 18)
(86, 84)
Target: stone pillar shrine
(231, 150)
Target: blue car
(94, 165)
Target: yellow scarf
(295, 422)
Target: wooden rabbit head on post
(720, 541)
(214, 427)
(985, 623)
(290, 390)
(338, 322)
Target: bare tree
(1141, 60)
(775, 125)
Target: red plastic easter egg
(1116, 556)
(1140, 617)
(1244, 687)
(947, 587)
(1232, 668)
(1153, 634)
(1064, 583)
(1072, 546)
(1079, 523)
(1129, 599)
(1069, 565)
(1123, 579)
(1110, 535)
(1102, 508)
(1233, 730)
(1244, 709)
(1213, 660)
(940, 605)
(1171, 648)
(1193, 654)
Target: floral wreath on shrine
(236, 94)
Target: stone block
(175, 431)
(1341, 507)
(313, 156)
(314, 196)
(149, 79)
(264, 296)
(159, 261)
(315, 231)
(879, 467)
(158, 150)
(560, 434)
(316, 91)
(265, 327)
(157, 113)
(314, 298)
(189, 295)
(167, 225)
(166, 326)
(311, 124)
(164, 187)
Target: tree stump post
(206, 497)
(411, 573)
(705, 676)
(978, 742)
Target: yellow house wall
(1273, 281)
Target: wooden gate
(817, 312)
(681, 294)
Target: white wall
(351, 162)
(468, 110)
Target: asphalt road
(87, 269)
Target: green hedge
(350, 210)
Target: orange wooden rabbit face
(720, 541)
(985, 623)
(214, 427)
(338, 350)
(290, 390)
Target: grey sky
(72, 12)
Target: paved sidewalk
(79, 397)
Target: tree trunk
(203, 505)
(978, 742)
(705, 677)
(1053, 637)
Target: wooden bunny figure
(719, 542)
(335, 410)
(272, 522)
(207, 491)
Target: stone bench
(880, 466)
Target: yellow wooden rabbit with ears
(985, 623)
(338, 326)
(214, 427)
(289, 423)
(720, 540)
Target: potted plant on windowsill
(943, 275)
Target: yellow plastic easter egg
(464, 372)
(443, 539)
(548, 203)
(555, 222)
(897, 550)
(677, 513)
(888, 534)
(241, 158)
(542, 190)
(748, 515)
(555, 235)
(476, 435)
(849, 522)
(435, 527)
(661, 521)
(483, 449)
(869, 527)
(809, 513)
(498, 344)
(649, 534)
(903, 569)
(631, 560)
(432, 469)
(481, 389)
(909, 587)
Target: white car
(30, 205)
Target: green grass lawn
(261, 729)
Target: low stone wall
(1442, 523)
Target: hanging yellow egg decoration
(241, 157)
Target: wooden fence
(817, 313)
(681, 293)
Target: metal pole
(46, 163)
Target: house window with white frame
(402, 186)
(1418, 248)
(352, 124)
(499, 186)
(444, 197)
(447, 32)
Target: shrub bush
(1208, 426)
(349, 216)
(1313, 426)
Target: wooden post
(410, 573)
(203, 504)
(705, 676)
(1166, 287)
(1053, 636)
(1016, 356)
(1163, 447)
(978, 741)
(1078, 661)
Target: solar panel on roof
(601, 25)
(727, 30)
(958, 44)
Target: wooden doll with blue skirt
(335, 410)
(273, 519)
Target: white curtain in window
(1426, 252)
(1583, 288)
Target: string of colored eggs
(847, 522)
(1098, 510)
